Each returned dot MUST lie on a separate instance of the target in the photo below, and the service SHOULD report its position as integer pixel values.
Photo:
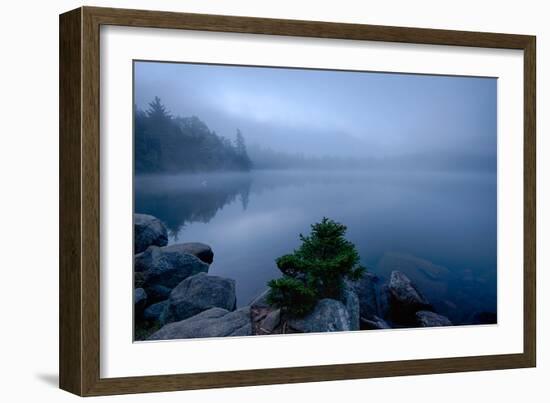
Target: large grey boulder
(271, 321)
(157, 293)
(351, 302)
(200, 250)
(329, 315)
(367, 292)
(215, 322)
(199, 293)
(406, 299)
(148, 230)
(167, 266)
(153, 312)
(431, 319)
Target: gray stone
(406, 300)
(374, 323)
(329, 315)
(200, 250)
(214, 322)
(157, 293)
(367, 293)
(153, 312)
(166, 266)
(140, 300)
(351, 301)
(148, 230)
(271, 321)
(199, 293)
(260, 301)
(431, 278)
(431, 319)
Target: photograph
(273, 200)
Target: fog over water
(407, 162)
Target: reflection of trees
(244, 197)
(185, 198)
(182, 199)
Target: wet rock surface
(214, 322)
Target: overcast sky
(320, 112)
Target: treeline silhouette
(175, 144)
(267, 158)
(166, 143)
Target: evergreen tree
(316, 269)
(146, 146)
(242, 154)
(157, 112)
(164, 143)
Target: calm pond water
(438, 228)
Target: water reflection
(439, 228)
(182, 199)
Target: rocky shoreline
(176, 298)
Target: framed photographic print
(249, 201)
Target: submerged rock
(167, 266)
(214, 322)
(431, 319)
(329, 315)
(429, 277)
(198, 293)
(405, 299)
(148, 230)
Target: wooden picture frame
(79, 346)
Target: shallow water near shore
(438, 228)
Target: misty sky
(320, 112)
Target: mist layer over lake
(439, 228)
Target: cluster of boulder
(365, 304)
(173, 291)
(176, 298)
